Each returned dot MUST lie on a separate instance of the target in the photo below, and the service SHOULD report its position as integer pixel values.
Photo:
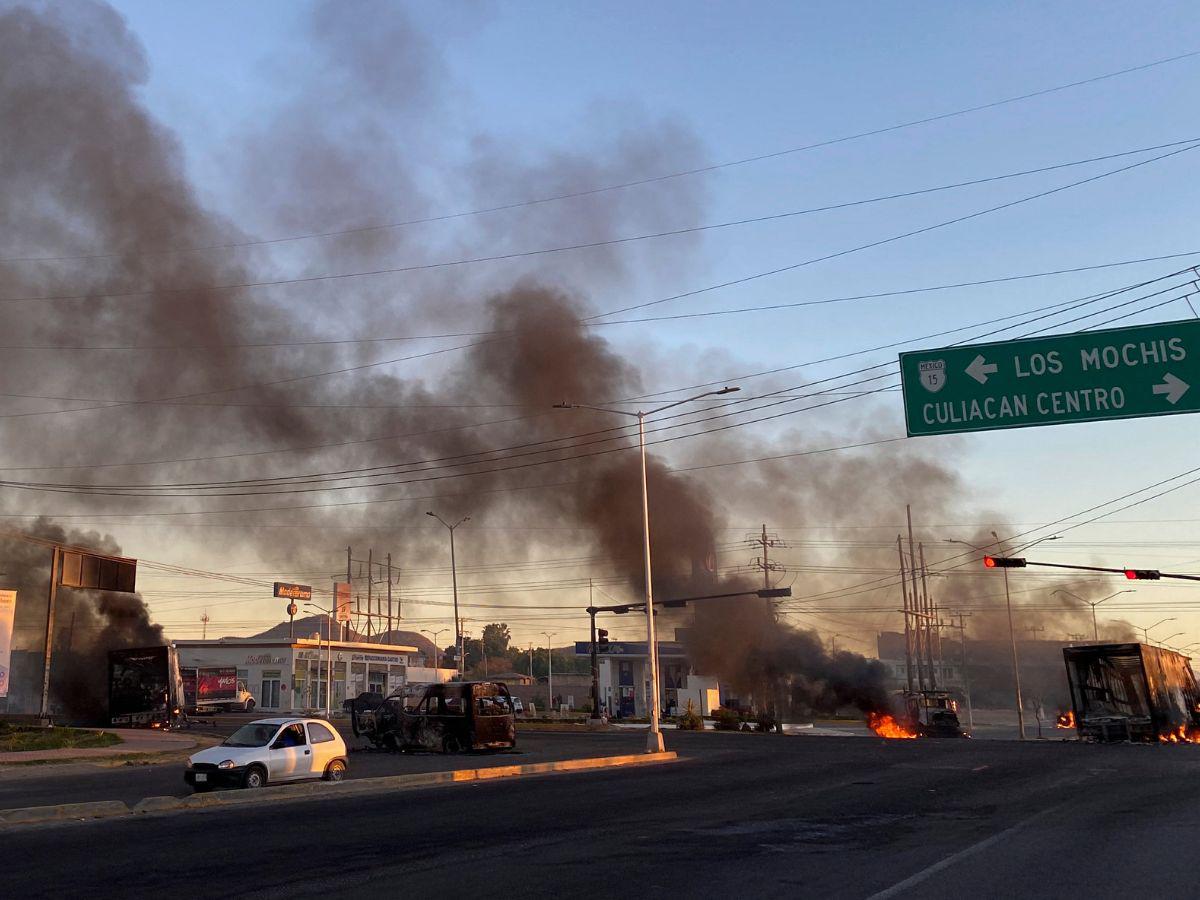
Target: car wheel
(249, 706)
(451, 744)
(255, 777)
(335, 771)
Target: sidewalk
(133, 740)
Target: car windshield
(256, 734)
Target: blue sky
(754, 78)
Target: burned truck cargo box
(1131, 692)
(473, 715)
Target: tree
(496, 638)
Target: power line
(613, 433)
(676, 232)
(713, 167)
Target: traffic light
(602, 640)
(1004, 562)
(1143, 574)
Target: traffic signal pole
(1012, 636)
(595, 669)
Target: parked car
(450, 718)
(270, 751)
(517, 705)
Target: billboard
(341, 591)
(8, 610)
(293, 591)
(103, 573)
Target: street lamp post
(328, 653)
(1163, 641)
(1146, 631)
(1093, 605)
(436, 651)
(550, 666)
(654, 738)
(454, 584)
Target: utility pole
(204, 620)
(912, 571)
(1034, 630)
(962, 636)
(929, 621)
(389, 598)
(349, 581)
(370, 583)
(908, 631)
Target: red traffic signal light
(1004, 562)
(1143, 574)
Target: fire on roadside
(888, 726)
(1065, 719)
(1180, 735)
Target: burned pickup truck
(1132, 692)
(450, 718)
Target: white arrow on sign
(980, 370)
(1173, 387)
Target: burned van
(449, 718)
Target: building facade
(625, 680)
(292, 675)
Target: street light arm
(619, 412)
(1076, 596)
(721, 392)
(636, 415)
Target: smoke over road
(223, 389)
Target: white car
(270, 751)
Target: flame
(887, 726)
(1180, 735)
(1066, 719)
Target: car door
(290, 756)
(324, 747)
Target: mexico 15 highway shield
(1089, 376)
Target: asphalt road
(751, 815)
(80, 783)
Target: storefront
(293, 675)
(625, 676)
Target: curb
(371, 786)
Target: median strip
(374, 786)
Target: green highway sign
(1089, 376)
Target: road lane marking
(913, 880)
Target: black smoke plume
(134, 258)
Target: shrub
(690, 720)
(726, 719)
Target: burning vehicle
(450, 718)
(919, 714)
(1132, 692)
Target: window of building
(269, 695)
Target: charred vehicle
(450, 718)
(1132, 692)
(145, 689)
(932, 714)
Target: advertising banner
(8, 610)
(216, 684)
(342, 598)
